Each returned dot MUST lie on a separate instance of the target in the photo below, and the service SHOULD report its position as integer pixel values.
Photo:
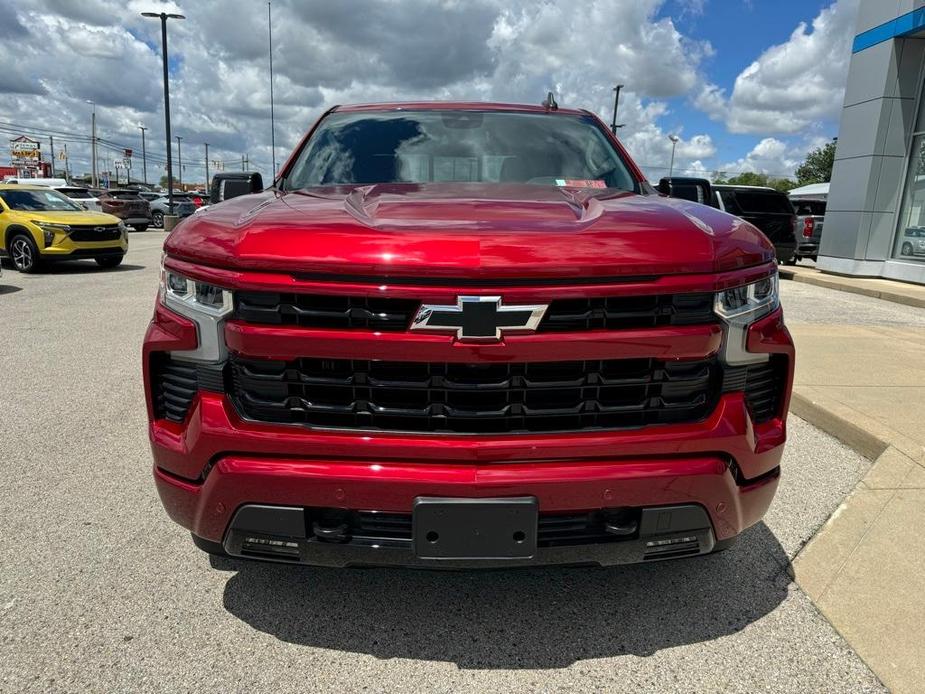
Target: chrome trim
(210, 321)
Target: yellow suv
(39, 224)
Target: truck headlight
(204, 303)
(739, 307)
(748, 302)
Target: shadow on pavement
(9, 289)
(546, 618)
(76, 267)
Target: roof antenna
(550, 103)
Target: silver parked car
(182, 206)
(913, 242)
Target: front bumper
(215, 463)
(65, 249)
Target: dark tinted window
(122, 194)
(809, 207)
(758, 202)
(76, 193)
(729, 202)
(38, 201)
(459, 146)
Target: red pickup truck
(466, 335)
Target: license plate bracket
(452, 528)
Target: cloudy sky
(746, 84)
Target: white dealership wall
(875, 137)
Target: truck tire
(24, 253)
(109, 261)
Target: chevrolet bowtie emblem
(478, 317)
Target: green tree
(818, 165)
(163, 181)
(751, 178)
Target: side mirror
(693, 189)
(231, 185)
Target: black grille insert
(325, 311)
(175, 384)
(108, 232)
(375, 313)
(384, 528)
(475, 398)
(763, 385)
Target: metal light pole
(674, 143)
(164, 16)
(616, 103)
(144, 155)
(272, 115)
(207, 167)
(93, 177)
(179, 163)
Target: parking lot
(99, 591)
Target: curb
(824, 416)
(850, 288)
(836, 548)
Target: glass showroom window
(910, 234)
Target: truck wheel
(907, 249)
(157, 219)
(140, 227)
(109, 261)
(24, 253)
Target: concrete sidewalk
(861, 377)
(888, 290)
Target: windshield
(459, 146)
(38, 201)
(76, 193)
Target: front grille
(475, 398)
(375, 313)
(383, 528)
(325, 311)
(108, 232)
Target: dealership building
(875, 219)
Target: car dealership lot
(100, 591)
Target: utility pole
(207, 166)
(179, 163)
(163, 16)
(144, 155)
(272, 115)
(93, 176)
(51, 140)
(67, 165)
(616, 104)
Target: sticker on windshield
(580, 183)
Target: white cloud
(770, 156)
(57, 54)
(793, 85)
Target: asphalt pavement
(100, 591)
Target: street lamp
(179, 163)
(144, 155)
(164, 16)
(93, 142)
(616, 103)
(674, 143)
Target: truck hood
(468, 231)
